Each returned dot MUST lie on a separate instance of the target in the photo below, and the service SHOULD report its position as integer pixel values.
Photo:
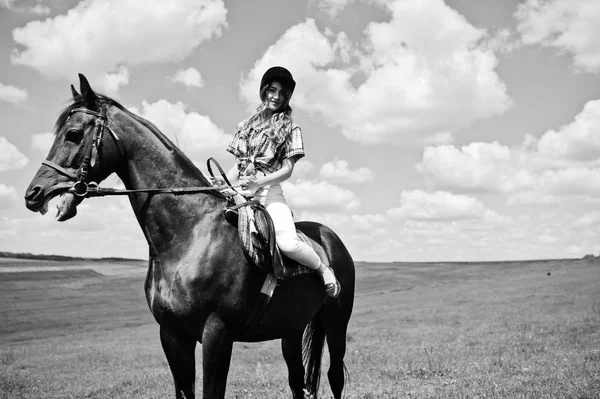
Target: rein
(82, 188)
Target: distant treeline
(60, 257)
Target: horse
(200, 287)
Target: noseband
(80, 188)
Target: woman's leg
(290, 244)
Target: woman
(267, 146)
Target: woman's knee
(288, 243)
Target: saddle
(257, 234)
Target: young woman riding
(266, 147)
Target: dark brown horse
(199, 287)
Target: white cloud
(338, 171)
(426, 73)
(303, 168)
(576, 143)
(195, 134)
(571, 181)
(331, 7)
(555, 186)
(531, 197)
(8, 196)
(42, 142)
(349, 222)
(474, 167)
(12, 94)
(590, 219)
(561, 164)
(436, 206)
(37, 9)
(307, 194)
(188, 77)
(10, 156)
(103, 38)
(568, 25)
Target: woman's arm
(234, 174)
(280, 175)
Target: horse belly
(293, 305)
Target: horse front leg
(180, 353)
(216, 357)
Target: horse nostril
(33, 193)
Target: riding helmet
(280, 74)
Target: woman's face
(275, 98)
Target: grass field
(490, 330)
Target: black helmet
(279, 74)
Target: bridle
(82, 188)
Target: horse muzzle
(37, 199)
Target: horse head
(78, 156)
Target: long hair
(279, 125)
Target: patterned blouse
(252, 146)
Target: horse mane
(79, 102)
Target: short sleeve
(295, 145)
(234, 145)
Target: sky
(434, 130)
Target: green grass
(497, 330)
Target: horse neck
(170, 222)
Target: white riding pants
(285, 231)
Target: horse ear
(89, 96)
(74, 92)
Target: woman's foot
(332, 286)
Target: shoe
(332, 289)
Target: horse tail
(312, 353)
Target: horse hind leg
(335, 331)
(180, 353)
(291, 347)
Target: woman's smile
(275, 96)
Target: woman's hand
(249, 185)
(217, 181)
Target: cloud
(8, 196)
(10, 156)
(12, 94)
(37, 9)
(562, 163)
(477, 167)
(426, 72)
(104, 38)
(532, 197)
(331, 7)
(350, 223)
(193, 133)
(590, 219)
(437, 206)
(307, 194)
(571, 181)
(188, 77)
(42, 142)
(339, 171)
(574, 144)
(303, 168)
(572, 26)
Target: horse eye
(74, 135)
